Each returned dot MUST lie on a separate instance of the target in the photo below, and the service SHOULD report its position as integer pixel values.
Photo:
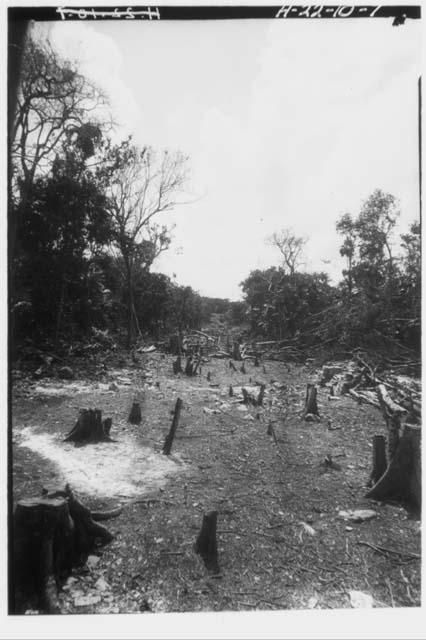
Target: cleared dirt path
(282, 543)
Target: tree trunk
(90, 428)
(379, 459)
(177, 365)
(170, 436)
(394, 415)
(135, 415)
(206, 544)
(236, 353)
(311, 407)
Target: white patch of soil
(122, 469)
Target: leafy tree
(61, 227)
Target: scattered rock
(113, 386)
(308, 529)
(86, 601)
(92, 561)
(361, 600)
(102, 585)
(358, 515)
(312, 602)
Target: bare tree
(142, 184)
(290, 246)
(54, 101)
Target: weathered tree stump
(209, 376)
(402, 479)
(170, 436)
(177, 365)
(51, 535)
(175, 344)
(259, 401)
(379, 460)
(311, 407)
(243, 369)
(206, 543)
(90, 428)
(236, 351)
(232, 366)
(135, 415)
(231, 391)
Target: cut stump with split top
(401, 480)
(90, 428)
(51, 535)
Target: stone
(358, 515)
(361, 600)
(102, 585)
(86, 601)
(92, 561)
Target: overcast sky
(287, 124)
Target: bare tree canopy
(141, 185)
(54, 101)
(290, 246)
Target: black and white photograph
(213, 314)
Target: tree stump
(243, 369)
(231, 391)
(209, 376)
(170, 436)
(379, 460)
(135, 415)
(256, 361)
(177, 365)
(311, 407)
(259, 401)
(402, 479)
(90, 428)
(206, 543)
(232, 366)
(175, 344)
(236, 352)
(189, 366)
(51, 535)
